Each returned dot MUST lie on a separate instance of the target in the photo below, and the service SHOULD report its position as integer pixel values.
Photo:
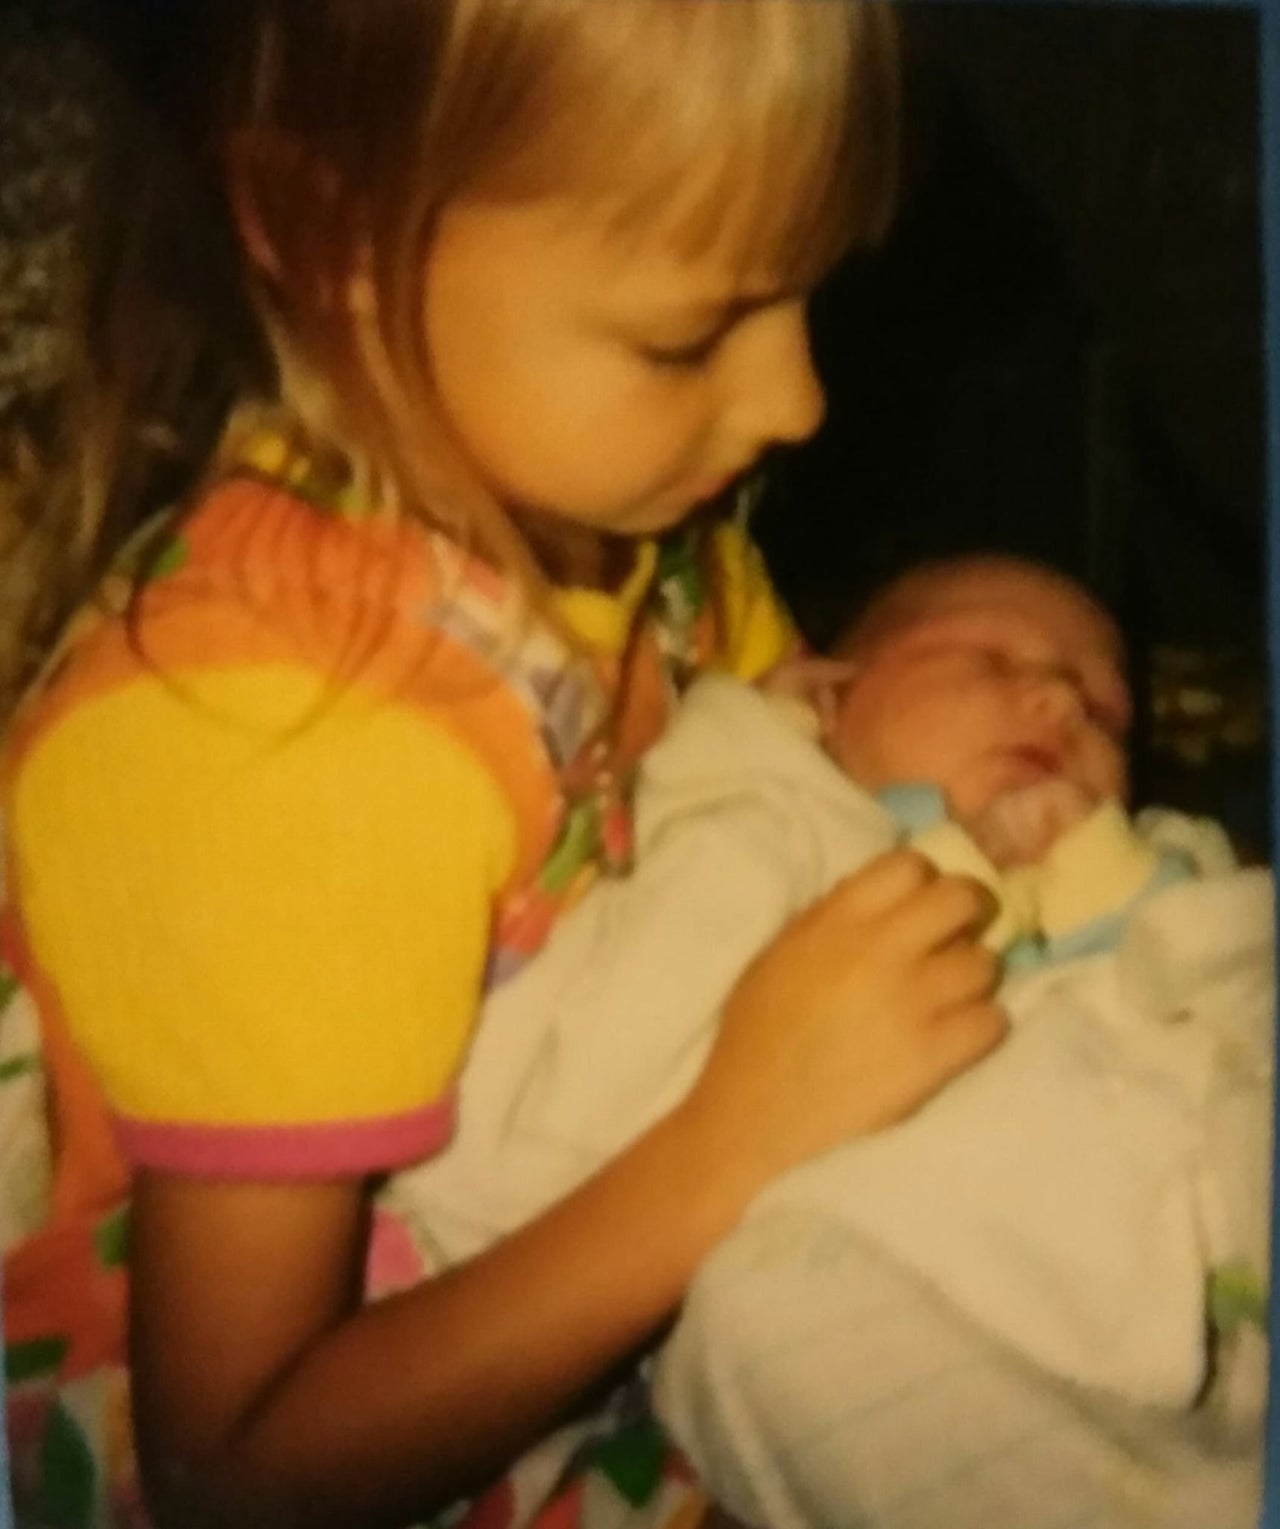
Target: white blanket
(1051, 1221)
(739, 825)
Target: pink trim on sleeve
(330, 1150)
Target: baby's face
(1004, 687)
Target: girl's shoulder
(261, 572)
(268, 617)
(255, 576)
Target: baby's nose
(1054, 691)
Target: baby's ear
(820, 682)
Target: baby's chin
(1020, 825)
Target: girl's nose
(774, 396)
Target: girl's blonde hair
(763, 130)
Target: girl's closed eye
(688, 356)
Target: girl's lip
(712, 488)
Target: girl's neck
(578, 556)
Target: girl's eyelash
(682, 355)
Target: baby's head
(1001, 682)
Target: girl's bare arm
(266, 1394)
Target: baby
(984, 701)
(1006, 1292)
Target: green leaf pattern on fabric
(632, 1460)
(1237, 1295)
(19, 1067)
(67, 1473)
(31, 1361)
(111, 1239)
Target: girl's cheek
(639, 398)
(675, 425)
(679, 398)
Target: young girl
(329, 761)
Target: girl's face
(614, 385)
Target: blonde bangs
(763, 132)
(778, 151)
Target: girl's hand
(266, 1394)
(864, 1007)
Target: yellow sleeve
(756, 628)
(269, 945)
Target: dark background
(1060, 346)
(1059, 353)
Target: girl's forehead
(566, 248)
(705, 229)
(760, 129)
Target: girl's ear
(269, 175)
(245, 164)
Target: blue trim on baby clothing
(919, 805)
(915, 804)
(1101, 934)
(1026, 953)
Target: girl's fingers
(947, 909)
(964, 1035)
(880, 887)
(959, 974)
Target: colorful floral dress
(218, 963)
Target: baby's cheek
(1108, 771)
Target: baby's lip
(1040, 758)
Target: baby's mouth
(1040, 761)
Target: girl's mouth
(710, 488)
